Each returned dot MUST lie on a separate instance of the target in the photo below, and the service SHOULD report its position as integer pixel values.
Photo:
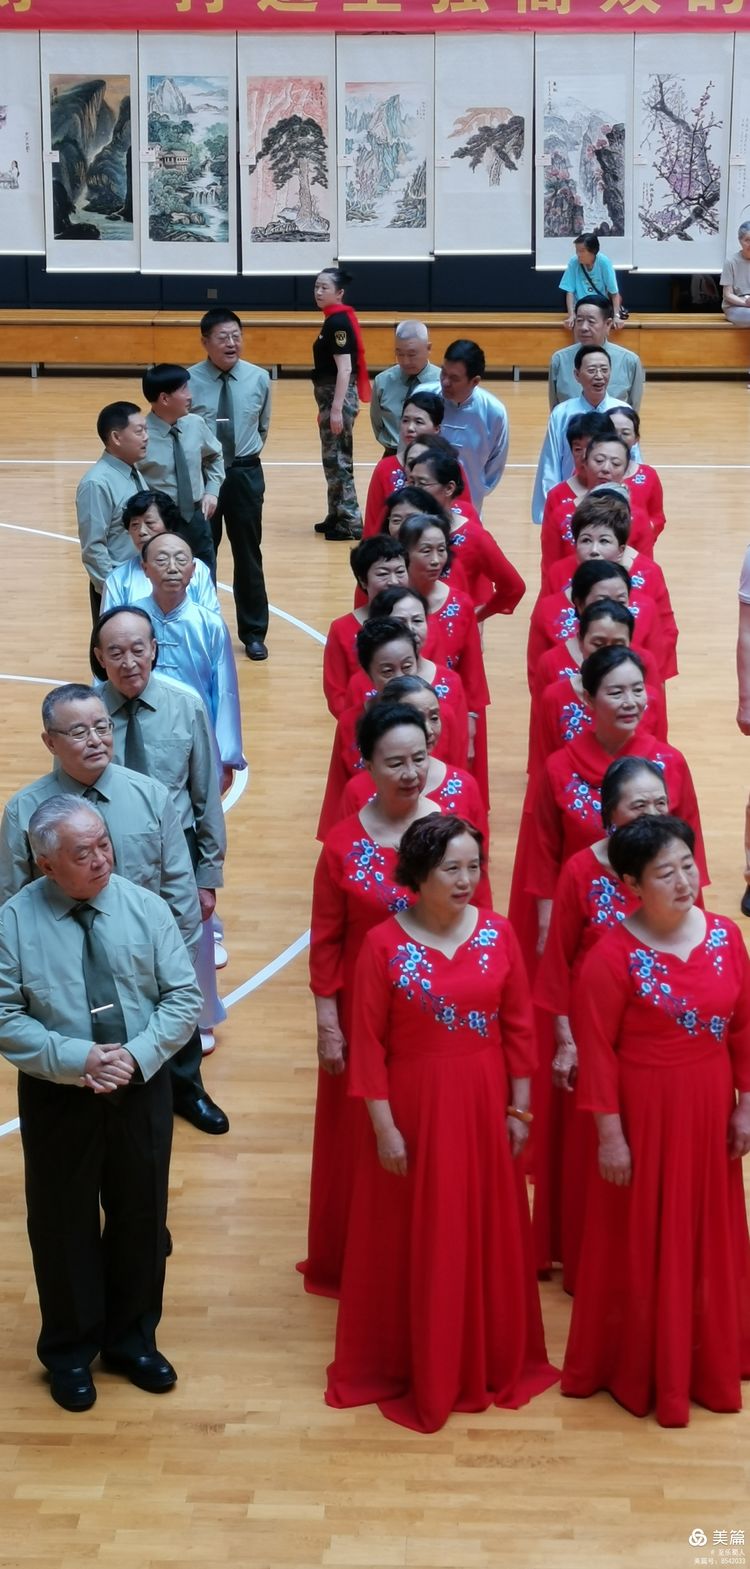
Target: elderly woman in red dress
(661, 1315)
(376, 563)
(421, 416)
(492, 581)
(439, 1307)
(355, 887)
(641, 479)
(589, 901)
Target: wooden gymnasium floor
(243, 1463)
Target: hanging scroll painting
(90, 151)
(682, 115)
(287, 163)
(385, 147)
(21, 196)
(188, 131)
(584, 120)
(739, 151)
(484, 99)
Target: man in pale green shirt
(147, 837)
(183, 456)
(96, 994)
(594, 318)
(103, 491)
(391, 387)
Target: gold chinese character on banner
(632, 5)
(562, 7)
(372, 5)
(441, 6)
(729, 7)
(287, 5)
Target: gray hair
(45, 823)
(71, 692)
(744, 229)
(412, 329)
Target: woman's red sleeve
(471, 666)
(336, 668)
(375, 503)
(368, 1075)
(517, 1034)
(546, 843)
(509, 586)
(327, 926)
(601, 996)
(738, 1042)
(552, 988)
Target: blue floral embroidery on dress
(365, 865)
(637, 580)
(646, 970)
(441, 689)
(450, 792)
(583, 798)
(607, 901)
(412, 973)
(458, 539)
(565, 622)
(637, 479)
(575, 717)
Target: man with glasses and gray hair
(96, 994)
(234, 398)
(391, 387)
(147, 837)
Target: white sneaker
(208, 1042)
(221, 957)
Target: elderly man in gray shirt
(148, 841)
(103, 491)
(96, 993)
(391, 387)
(183, 457)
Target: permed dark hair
(424, 846)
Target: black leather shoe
(202, 1112)
(151, 1372)
(256, 649)
(745, 905)
(320, 528)
(339, 531)
(73, 1390)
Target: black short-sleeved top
(335, 337)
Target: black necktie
(136, 478)
(225, 419)
(92, 794)
(108, 1026)
(411, 384)
(182, 476)
(135, 751)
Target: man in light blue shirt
(592, 371)
(474, 421)
(104, 490)
(391, 387)
(234, 398)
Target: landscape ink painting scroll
(90, 152)
(287, 89)
(484, 100)
(188, 132)
(21, 196)
(584, 139)
(683, 98)
(385, 98)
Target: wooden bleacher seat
(512, 340)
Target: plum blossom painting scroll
(21, 200)
(287, 167)
(385, 147)
(739, 152)
(584, 127)
(484, 98)
(188, 131)
(683, 113)
(91, 158)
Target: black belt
(245, 463)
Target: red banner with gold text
(386, 16)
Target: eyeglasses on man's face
(102, 728)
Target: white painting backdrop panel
(385, 146)
(738, 208)
(287, 107)
(584, 125)
(21, 194)
(683, 96)
(484, 100)
(90, 141)
(188, 98)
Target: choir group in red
(592, 1050)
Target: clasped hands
(107, 1068)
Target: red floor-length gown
(554, 619)
(589, 901)
(661, 1314)
(439, 1306)
(353, 890)
(389, 475)
(645, 575)
(457, 793)
(647, 496)
(457, 645)
(491, 579)
(557, 536)
(564, 713)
